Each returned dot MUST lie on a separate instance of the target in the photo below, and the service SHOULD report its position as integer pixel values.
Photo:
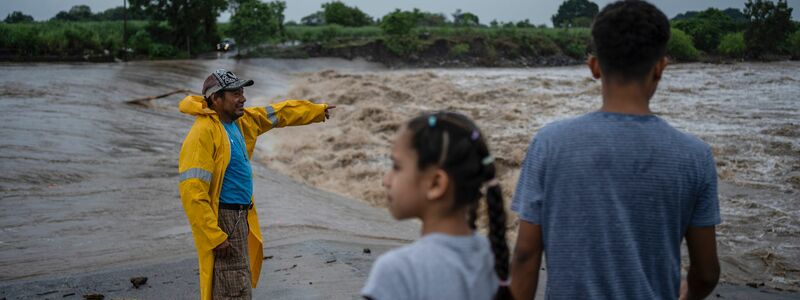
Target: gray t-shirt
(437, 266)
(614, 195)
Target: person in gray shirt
(440, 164)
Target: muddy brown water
(89, 182)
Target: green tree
(732, 45)
(399, 22)
(18, 17)
(398, 27)
(680, 46)
(315, 19)
(735, 14)
(465, 19)
(706, 28)
(525, 24)
(76, 13)
(768, 26)
(118, 14)
(256, 22)
(191, 25)
(574, 13)
(338, 13)
(429, 19)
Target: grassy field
(65, 38)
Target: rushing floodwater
(88, 181)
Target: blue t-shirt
(237, 184)
(614, 195)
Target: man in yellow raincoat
(216, 182)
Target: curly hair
(629, 37)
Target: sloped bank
(476, 52)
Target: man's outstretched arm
(526, 261)
(286, 113)
(703, 262)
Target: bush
(794, 44)
(330, 32)
(459, 49)
(18, 17)
(403, 45)
(680, 46)
(163, 51)
(399, 22)
(338, 13)
(573, 42)
(140, 42)
(706, 28)
(732, 45)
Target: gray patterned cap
(222, 79)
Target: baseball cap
(222, 79)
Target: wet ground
(89, 183)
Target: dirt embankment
(437, 53)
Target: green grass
(329, 33)
(65, 38)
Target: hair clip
(475, 135)
(505, 283)
(432, 121)
(487, 160)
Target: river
(89, 181)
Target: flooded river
(89, 182)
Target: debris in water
(367, 251)
(286, 269)
(330, 261)
(138, 281)
(146, 100)
(94, 296)
(267, 257)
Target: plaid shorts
(232, 272)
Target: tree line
(763, 27)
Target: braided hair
(453, 142)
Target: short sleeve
(706, 207)
(529, 193)
(387, 279)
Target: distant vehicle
(225, 45)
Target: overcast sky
(538, 11)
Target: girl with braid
(441, 165)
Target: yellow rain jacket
(205, 155)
